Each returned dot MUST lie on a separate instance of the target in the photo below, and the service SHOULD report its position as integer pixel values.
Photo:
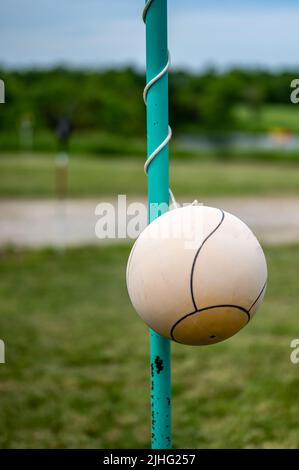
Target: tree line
(111, 100)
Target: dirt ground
(38, 223)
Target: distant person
(63, 132)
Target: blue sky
(110, 33)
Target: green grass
(103, 143)
(77, 360)
(270, 117)
(28, 176)
(90, 142)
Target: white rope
(175, 205)
(145, 92)
(156, 78)
(158, 150)
(145, 10)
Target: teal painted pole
(158, 193)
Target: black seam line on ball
(202, 310)
(196, 256)
(258, 297)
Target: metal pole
(158, 193)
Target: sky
(98, 33)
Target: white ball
(196, 275)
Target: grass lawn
(34, 176)
(77, 360)
(271, 116)
(99, 142)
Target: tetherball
(196, 275)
